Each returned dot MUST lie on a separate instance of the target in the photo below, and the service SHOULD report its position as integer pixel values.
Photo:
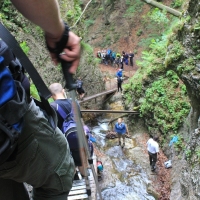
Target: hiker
(89, 133)
(120, 129)
(119, 83)
(122, 62)
(113, 57)
(117, 60)
(131, 55)
(119, 73)
(99, 54)
(63, 108)
(153, 150)
(90, 139)
(42, 157)
(125, 57)
(99, 170)
(80, 90)
(103, 56)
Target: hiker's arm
(46, 14)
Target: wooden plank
(78, 187)
(75, 192)
(82, 196)
(111, 111)
(82, 182)
(98, 95)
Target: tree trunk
(161, 6)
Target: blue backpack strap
(61, 112)
(7, 88)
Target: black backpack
(13, 97)
(119, 79)
(15, 92)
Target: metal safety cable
(71, 86)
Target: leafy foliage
(169, 107)
(158, 16)
(159, 93)
(133, 7)
(89, 22)
(177, 3)
(34, 92)
(24, 47)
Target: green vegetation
(139, 33)
(72, 15)
(168, 106)
(133, 7)
(158, 16)
(34, 92)
(86, 47)
(159, 93)
(186, 66)
(24, 47)
(177, 3)
(89, 22)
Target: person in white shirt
(153, 150)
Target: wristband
(61, 44)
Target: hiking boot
(153, 168)
(119, 143)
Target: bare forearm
(44, 13)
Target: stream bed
(123, 177)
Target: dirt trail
(109, 74)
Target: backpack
(12, 97)
(119, 79)
(109, 52)
(113, 54)
(79, 84)
(69, 122)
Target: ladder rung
(82, 191)
(78, 187)
(82, 196)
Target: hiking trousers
(152, 159)
(43, 160)
(119, 86)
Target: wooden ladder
(79, 191)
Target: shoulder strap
(61, 111)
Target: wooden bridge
(98, 95)
(112, 111)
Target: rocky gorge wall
(187, 66)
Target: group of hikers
(115, 59)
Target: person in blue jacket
(120, 129)
(119, 73)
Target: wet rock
(152, 191)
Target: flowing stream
(123, 179)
